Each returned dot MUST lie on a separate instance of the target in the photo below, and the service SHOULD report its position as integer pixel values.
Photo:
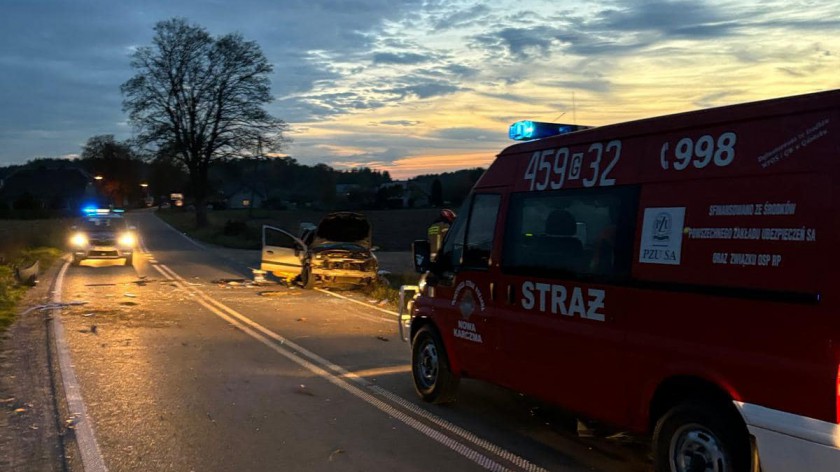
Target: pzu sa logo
(662, 229)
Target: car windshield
(102, 224)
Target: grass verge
(21, 244)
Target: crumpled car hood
(342, 230)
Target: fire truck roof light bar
(527, 130)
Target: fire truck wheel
(696, 436)
(433, 378)
(306, 278)
(76, 261)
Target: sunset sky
(418, 87)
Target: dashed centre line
(467, 444)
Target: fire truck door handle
(493, 291)
(510, 294)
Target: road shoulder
(29, 422)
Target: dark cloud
(685, 19)
(592, 84)
(464, 134)
(716, 99)
(461, 18)
(405, 123)
(520, 42)
(426, 90)
(399, 58)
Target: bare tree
(202, 98)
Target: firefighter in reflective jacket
(438, 230)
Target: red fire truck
(671, 276)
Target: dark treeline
(112, 172)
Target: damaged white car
(336, 253)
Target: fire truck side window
(450, 254)
(586, 232)
(481, 228)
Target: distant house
(343, 192)
(404, 194)
(64, 188)
(244, 196)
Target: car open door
(282, 253)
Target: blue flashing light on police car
(527, 130)
(94, 211)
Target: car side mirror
(422, 252)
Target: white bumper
(788, 442)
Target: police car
(102, 234)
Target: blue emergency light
(527, 130)
(94, 211)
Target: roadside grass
(21, 244)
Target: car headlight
(79, 240)
(127, 240)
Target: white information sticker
(662, 231)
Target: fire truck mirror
(422, 255)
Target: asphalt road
(181, 371)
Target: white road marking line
(355, 384)
(92, 460)
(368, 305)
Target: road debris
(335, 453)
(382, 338)
(259, 276)
(276, 293)
(301, 319)
(302, 390)
(52, 306)
(141, 282)
(7, 400)
(584, 430)
(231, 282)
(20, 411)
(129, 295)
(129, 303)
(70, 423)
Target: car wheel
(306, 278)
(697, 436)
(129, 260)
(433, 377)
